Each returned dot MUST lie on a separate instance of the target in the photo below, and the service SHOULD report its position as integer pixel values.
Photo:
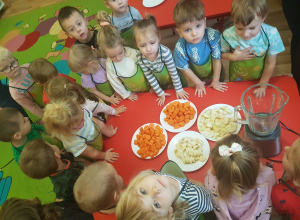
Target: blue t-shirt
(267, 41)
(198, 53)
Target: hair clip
(225, 151)
(104, 23)
(65, 86)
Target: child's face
(10, 67)
(251, 30)
(193, 32)
(287, 160)
(148, 44)
(24, 125)
(157, 194)
(76, 27)
(117, 6)
(116, 54)
(78, 121)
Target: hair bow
(225, 151)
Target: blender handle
(287, 97)
(236, 118)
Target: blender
(262, 117)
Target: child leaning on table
(250, 45)
(240, 185)
(98, 188)
(156, 60)
(286, 194)
(123, 73)
(198, 52)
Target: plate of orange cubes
(178, 115)
(149, 141)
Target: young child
(40, 159)
(152, 195)
(250, 45)
(156, 60)
(73, 125)
(98, 188)
(21, 86)
(41, 71)
(83, 59)
(16, 128)
(123, 17)
(123, 73)
(286, 194)
(240, 185)
(198, 51)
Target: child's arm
(28, 104)
(107, 130)
(113, 99)
(200, 85)
(99, 155)
(216, 84)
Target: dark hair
(9, 125)
(65, 13)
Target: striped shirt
(164, 58)
(198, 197)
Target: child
(21, 86)
(122, 70)
(152, 195)
(98, 188)
(82, 59)
(41, 71)
(69, 122)
(286, 195)
(240, 185)
(198, 52)
(250, 45)
(40, 159)
(123, 17)
(156, 60)
(16, 128)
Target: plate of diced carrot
(178, 115)
(149, 141)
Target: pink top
(89, 80)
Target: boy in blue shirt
(198, 52)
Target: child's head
(13, 125)
(98, 187)
(247, 16)
(39, 159)
(9, 65)
(190, 20)
(41, 70)
(290, 160)
(147, 37)
(235, 163)
(119, 7)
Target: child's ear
(116, 196)
(57, 155)
(107, 5)
(179, 32)
(170, 212)
(17, 136)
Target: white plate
(152, 3)
(217, 106)
(172, 146)
(135, 148)
(171, 128)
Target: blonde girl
(83, 59)
(156, 60)
(152, 196)
(73, 125)
(123, 73)
(240, 185)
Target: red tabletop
(164, 11)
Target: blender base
(269, 145)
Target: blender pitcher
(262, 113)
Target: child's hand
(246, 54)
(162, 98)
(112, 130)
(200, 89)
(182, 95)
(260, 92)
(133, 97)
(114, 100)
(111, 156)
(120, 110)
(220, 86)
(152, 90)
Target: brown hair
(187, 11)
(244, 11)
(65, 13)
(238, 172)
(41, 70)
(9, 124)
(95, 187)
(37, 159)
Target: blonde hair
(4, 53)
(238, 172)
(296, 162)
(244, 11)
(41, 70)
(187, 11)
(130, 205)
(95, 187)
